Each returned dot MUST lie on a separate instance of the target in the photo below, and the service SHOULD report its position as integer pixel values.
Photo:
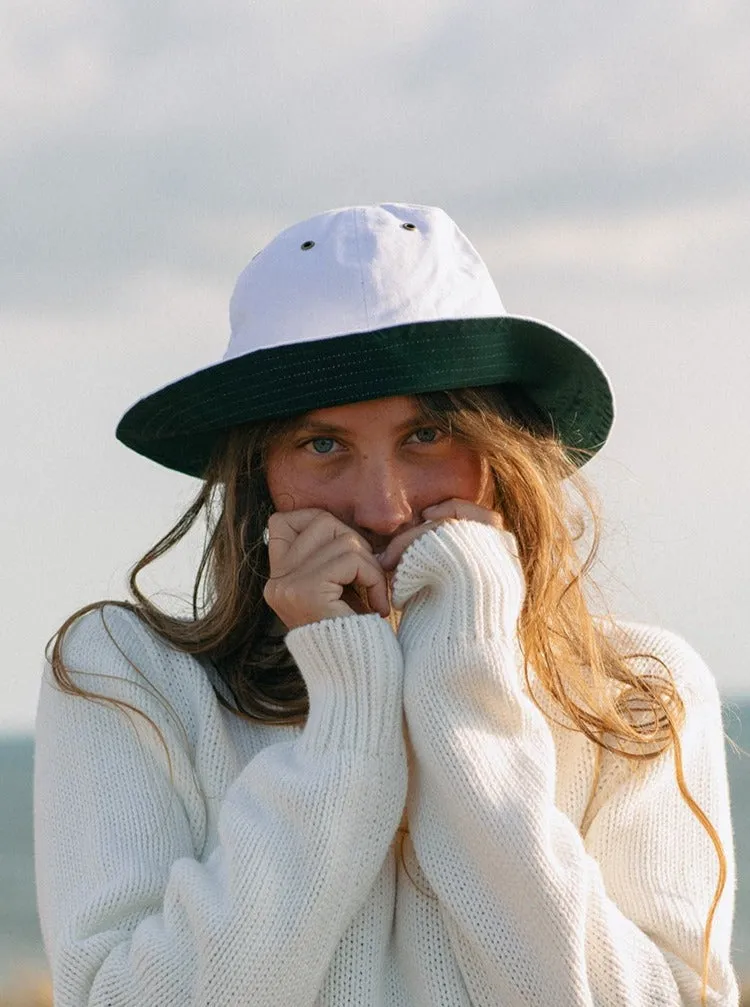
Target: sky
(597, 156)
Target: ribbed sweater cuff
(474, 583)
(353, 670)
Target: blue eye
(431, 435)
(329, 441)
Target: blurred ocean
(20, 940)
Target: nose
(383, 502)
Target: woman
(393, 758)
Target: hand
(453, 509)
(315, 561)
(463, 581)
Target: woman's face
(375, 466)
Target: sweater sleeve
(535, 913)
(131, 912)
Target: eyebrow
(318, 426)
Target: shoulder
(108, 630)
(110, 651)
(661, 652)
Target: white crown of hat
(358, 269)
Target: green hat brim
(178, 425)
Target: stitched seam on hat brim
(337, 361)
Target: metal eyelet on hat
(408, 226)
(306, 244)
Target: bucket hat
(366, 302)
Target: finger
(296, 535)
(375, 583)
(328, 581)
(465, 509)
(352, 568)
(294, 520)
(327, 535)
(301, 559)
(284, 527)
(398, 545)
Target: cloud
(176, 136)
(651, 252)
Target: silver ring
(266, 536)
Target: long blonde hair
(544, 501)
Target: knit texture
(259, 865)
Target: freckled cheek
(461, 477)
(293, 488)
(283, 486)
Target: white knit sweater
(265, 870)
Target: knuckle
(274, 521)
(282, 594)
(289, 593)
(321, 519)
(355, 542)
